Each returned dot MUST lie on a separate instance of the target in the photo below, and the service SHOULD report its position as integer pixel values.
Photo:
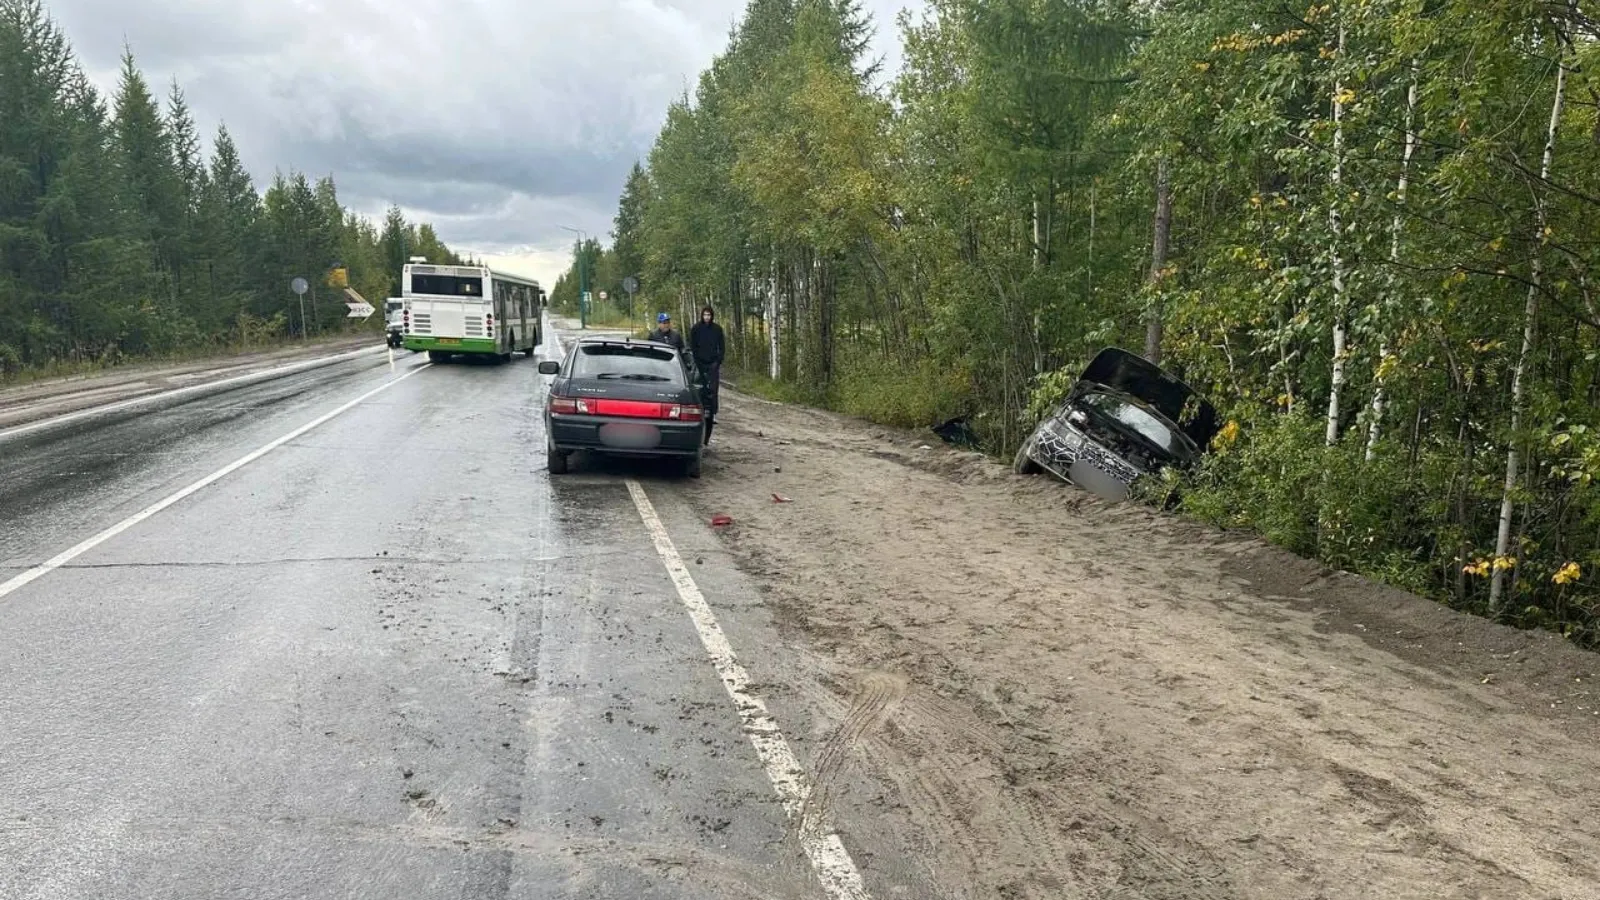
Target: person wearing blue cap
(666, 334)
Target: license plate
(449, 340)
(630, 436)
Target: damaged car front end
(1125, 419)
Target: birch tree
(1503, 562)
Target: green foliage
(917, 395)
(965, 241)
(119, 238)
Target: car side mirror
(549, 367)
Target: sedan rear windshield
(633, 363)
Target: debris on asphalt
(721, 521)
(779, 498)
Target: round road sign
(299, 286)
(630, 284)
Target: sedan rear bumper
(625, 436)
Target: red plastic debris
(721, 521)
(779, 498)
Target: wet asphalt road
(389, 658)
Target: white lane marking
(262, 375)
(68, 555)
(841, 880)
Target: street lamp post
(583, 276)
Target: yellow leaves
(1497, 244)
(1227, 437)
(1483, 346)
(1387, 367)
(1455, 279)
(1568, 574)
(1345, 97)
(1244, 43)
(1482, 567)
(1202, 67)
(1236, 43)
(1256, 200)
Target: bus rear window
(447, 285)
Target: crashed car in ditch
(1123, 420)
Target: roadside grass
(85, 367)
(915, 395)
(607, 317)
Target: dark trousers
(712, 374)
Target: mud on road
(1031, 694)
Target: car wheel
(1024, 464)
(556, 460)
(691, 466)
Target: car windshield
(1138, 420)
(627, 362)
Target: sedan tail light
(686, 413)
(569, 406)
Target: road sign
(358, 305)
(630, 284)
(602, 295)
(300, 286)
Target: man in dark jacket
(666, 334)
(707, 345)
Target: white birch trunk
(1380, 400)
(1158, 257)
(1336, 228)
(1502, 543)
(774, 364)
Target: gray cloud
(499, 120)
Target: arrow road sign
(360, 310)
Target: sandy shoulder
(1056, 698)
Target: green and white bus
(469, 310)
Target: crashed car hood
(1136, 376)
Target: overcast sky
(497, 120)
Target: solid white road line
(837, 871)
(72, 553)
(262, 375)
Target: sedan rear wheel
(556, 460)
